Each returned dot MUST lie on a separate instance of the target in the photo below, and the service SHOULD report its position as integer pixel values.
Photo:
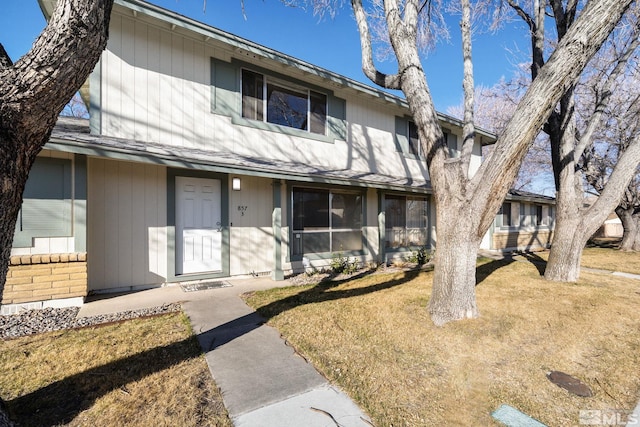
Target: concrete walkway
(264, 382)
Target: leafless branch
(368, 66)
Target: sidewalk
(263, 381)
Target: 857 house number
(242, 210)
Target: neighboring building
(209, 156)
(525, 222)
(612, 227)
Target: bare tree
(33, 92)
(36, 88)
(76, 107)
(493, 108)
(570, 139)
(628, 210)
(465, 204)
(622, 127)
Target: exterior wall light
(235, 184)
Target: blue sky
(329, 43)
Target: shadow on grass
(535, 259)
(604, 242)
(61, 401)
(324, 291)
(321, 292)
(485, 270)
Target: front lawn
(142, 372)
(373, 337)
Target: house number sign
(242, 210)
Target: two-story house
(208, 156)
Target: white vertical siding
(153, 84)
(140, 88)
(157, 88)
(251, 237)
(371, 231)
(372, 141)
(128, 67)
(126, 224)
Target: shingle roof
(73, 135)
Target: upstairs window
(414, 141)
(415, 147)
(281, 103)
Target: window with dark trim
(46, 209)
(415, 147)
(282, 103)
(504, 215)
(326, 221)
(406, 221)
(414, 140)
(536, 214)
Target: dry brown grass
(608, 259)
(143, 372)
(373, 337)
(604, 257)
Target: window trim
(64, 223)
(500, 224)
(331, 191)
(405, 146)
(427, 227)
(311, 93)
(537, 220)
(412, 149)
(528, 218)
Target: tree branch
(468, 130)
(581, 42)
(618, 182)
(59, 62)
(368, 66)
(604, 98)
(523, 14)
(536, 28)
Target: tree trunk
(34, 90)
(466, 205)
(453, 295)
(630, 228)
(13, 176)
(564, 258)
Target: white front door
(198, 225)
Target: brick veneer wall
(522, 240)
(34, 278)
